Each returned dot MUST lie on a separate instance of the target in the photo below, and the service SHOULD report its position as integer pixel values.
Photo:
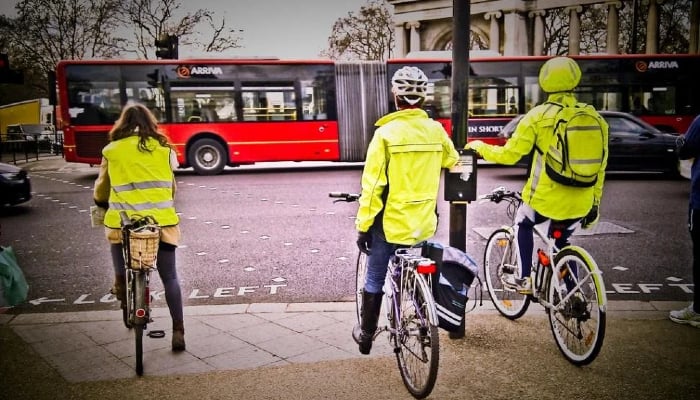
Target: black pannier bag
(455, 273)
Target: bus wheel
(207, 157)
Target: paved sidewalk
(304, 351)
(95, 345)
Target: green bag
(13, 286)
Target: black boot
(369, 315)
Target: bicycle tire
(360, 274)
(138, 333)
(128, 305)
(417, 338)
(578, 324)
(140, 315)
(501, 259)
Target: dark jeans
(166, 270)
(694, 228)
(527, 219)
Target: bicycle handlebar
(342, 196)
(499, 194)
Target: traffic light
(153, 78)
(8, 75)
(166, 47)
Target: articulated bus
(220, 113)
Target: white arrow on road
(40, 300)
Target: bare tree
(152, 19)
(594, 32)
(46, 31)
(673, 32)
(365, 35)
(556, 32)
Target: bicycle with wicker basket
(140, 239)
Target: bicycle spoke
(577, 321)
(416, 338)
(500, 262)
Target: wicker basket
(143, 247)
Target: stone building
(516, 27)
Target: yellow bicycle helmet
(559, 74)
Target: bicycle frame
(563, 280)
(540, 279)
(402, 261)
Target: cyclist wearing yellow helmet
(400, 183)
(543, 198)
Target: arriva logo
(643, 66)
(185, 71)
(206, 71)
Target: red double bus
(221, 113)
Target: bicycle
(410, 310)
(576, 315)
(140, 239)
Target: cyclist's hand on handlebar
(364, 242)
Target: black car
(15, 185)
(634, 145)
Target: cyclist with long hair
(136, 176)
(400, 183)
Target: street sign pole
(460, 78)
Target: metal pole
(633, 41)
(460, 78)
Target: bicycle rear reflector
(426, 267)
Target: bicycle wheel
(138, 332)
(417, 339)
(360, 274)
(140, 315)
(127, 305)
(577, 317)
(501, 261)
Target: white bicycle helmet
(409, 83)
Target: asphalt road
(269, 233)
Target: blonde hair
(137, 120)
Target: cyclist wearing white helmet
(543, 198)
(400, 184)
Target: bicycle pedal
(156, 334)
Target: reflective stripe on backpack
(577, 149)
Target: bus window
(437, 102)
(493, 97)
(203, 104)
(662, 101)
(533, 94)
(96, 103)
(601, 98)
(269, 101)
(314, 103)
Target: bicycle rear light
(426, 267)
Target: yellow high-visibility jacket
(549, 198)
(140, 182)
(401, 177)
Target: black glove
(364, 242)
(591, 218)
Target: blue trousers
(525, 221)
(378, 262)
